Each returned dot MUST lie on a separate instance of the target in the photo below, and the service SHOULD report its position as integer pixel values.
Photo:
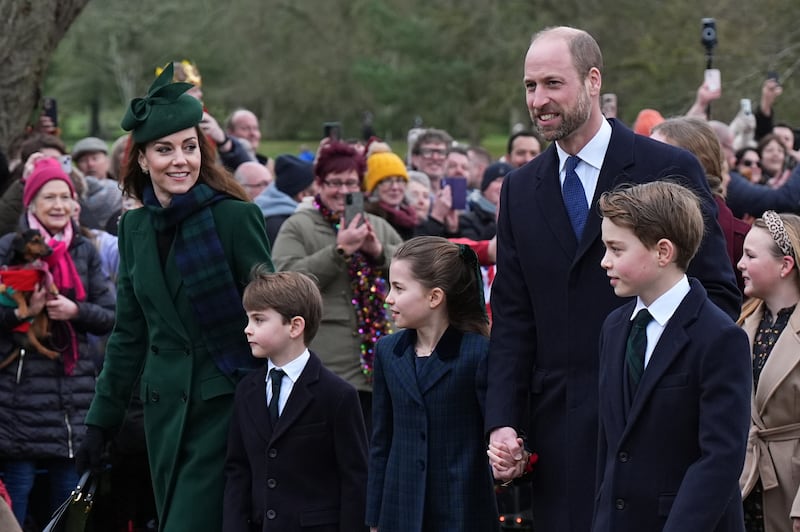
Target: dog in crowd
(28, 250)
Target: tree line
(451, 64)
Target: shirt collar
(665, 306)
(593, 153)
(294, 368)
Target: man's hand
(506, 455)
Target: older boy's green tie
(637, 344)
(276, 376)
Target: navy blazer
(549, 300)
(671, 460)
(310, 470)
(428, 459)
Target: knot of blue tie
(575, 197)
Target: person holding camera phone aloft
(350, 259)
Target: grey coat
(307, 243)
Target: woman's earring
(145, 171)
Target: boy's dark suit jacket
(549, 300)
(310, 470)
(671, 461)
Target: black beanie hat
(292, 175)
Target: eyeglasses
(430, 152)
(335, 183)
(389, 181)
(748, 162)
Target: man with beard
(551, 296)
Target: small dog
(28, 250)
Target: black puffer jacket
(41, 409)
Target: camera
(708, 35)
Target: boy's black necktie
(637, 344)
(276, 376)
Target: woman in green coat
(185, 258)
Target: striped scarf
(210, 285)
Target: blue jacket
(428, 459)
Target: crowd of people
(603, 314)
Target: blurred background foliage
(454, 64)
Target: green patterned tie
(637, 344)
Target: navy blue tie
(575, 197)
(276, 376)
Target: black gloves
(91, 453)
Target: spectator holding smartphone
(350, 259)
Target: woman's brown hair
(134, 180)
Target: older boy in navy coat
(297, 449)
(675, 376)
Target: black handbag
(73, 514)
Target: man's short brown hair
(656, 210)
(289, 294)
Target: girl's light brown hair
(436, 262)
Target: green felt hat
(166, 109)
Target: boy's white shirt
(662, 310)
(293, 370)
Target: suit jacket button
(619, 504)
(271, 483)
(622, 456)
(154, 396)
(272, 453)
(271, 514)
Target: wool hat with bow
(166, 109)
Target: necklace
(423, 352)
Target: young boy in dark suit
(297, 448)
(675, 375)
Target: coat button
(272, 453)
(422, 436)
(619, 504)
(271, 483)
(154, 349)
(421, 464)
(623, 456)
(184, 397)
(154, 396)
(271, 514)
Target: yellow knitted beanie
(382, 164)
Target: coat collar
(439, 364)
(299, 400)
(619, 157)
(672, 342)
(785, 355)
(162, 282)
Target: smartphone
(713, 79)
(66, 163)
(746, 106)
(332, 130)
(50, 108)
(353, 204)
(458, 190)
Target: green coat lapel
(152, 283)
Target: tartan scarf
(369, 292)
(206, 274)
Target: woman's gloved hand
(91, 452)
